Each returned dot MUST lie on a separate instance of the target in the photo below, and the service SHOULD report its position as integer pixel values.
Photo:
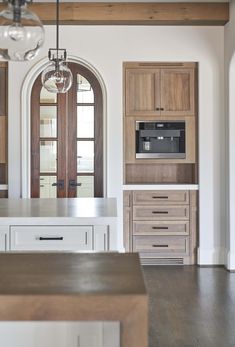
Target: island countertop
(71, 287)
(83, 224)
(62, 208)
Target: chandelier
(57, 77)
(21, 32)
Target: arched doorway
(69, 131)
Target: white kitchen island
(72, 224)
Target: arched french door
(67, 138)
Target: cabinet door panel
(177, 92)
(51, 238)
(2, 140)
(142, 92)
(161, 244)
(161, 228)
(101, 238)
(160, 197)
(161, 212)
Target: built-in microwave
(160, 139)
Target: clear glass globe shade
(57, 80)
(20, 41)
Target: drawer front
(161, 197)
(160, 212)
(161, 244)
(161, 228)
(44, 238)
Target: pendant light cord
(57, 26)
(57, 34)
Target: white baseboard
(230, 261)
(215, 256)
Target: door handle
(59, 184)
(73, 184)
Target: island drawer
(161, 244)
(161, 197)
(161, 228)
(161, 212)
(67, 238)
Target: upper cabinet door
(142, 95)
(177, 92)
(160, 91)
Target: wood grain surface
(52, 286)
(101, 13)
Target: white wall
(230, 127)
(106, 47)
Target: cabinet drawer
(161, 197)
(68, 238)
(161, 244)
(161, 228)
(160, 212)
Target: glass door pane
(85, 121)
(85, 156)
(48, 121)
(86, 190)
(47, 97)
(48, 156)
(47, 190)
(85, 93)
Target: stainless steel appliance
(160, 139)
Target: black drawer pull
(160, 245)
(59, 238)
(160, 212)
(160, 197)
(160, 228)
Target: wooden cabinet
(162, 226)
(155, 90)
(3, 129)
(160, 92)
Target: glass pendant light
(57, 77)
(21, 32)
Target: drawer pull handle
(160, 197)
(59, 238)
(160, 245)
(160, 228)
(160, 212)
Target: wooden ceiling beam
(133, 13)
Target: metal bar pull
(160, 228)
(160, 212)
(160, 197)
(73, 184)
(51, 238)
(160, 246)
(59, 184)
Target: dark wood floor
(191, 306)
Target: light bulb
(57, 79)
(16, 32)
(20, 39)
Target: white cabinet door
(2, 241)
(59, 334)
(36, 237)
(3, 238)
(101, 238)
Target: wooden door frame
(26, 115)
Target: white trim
(215, 256)
(230, 261)
(25, 120)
